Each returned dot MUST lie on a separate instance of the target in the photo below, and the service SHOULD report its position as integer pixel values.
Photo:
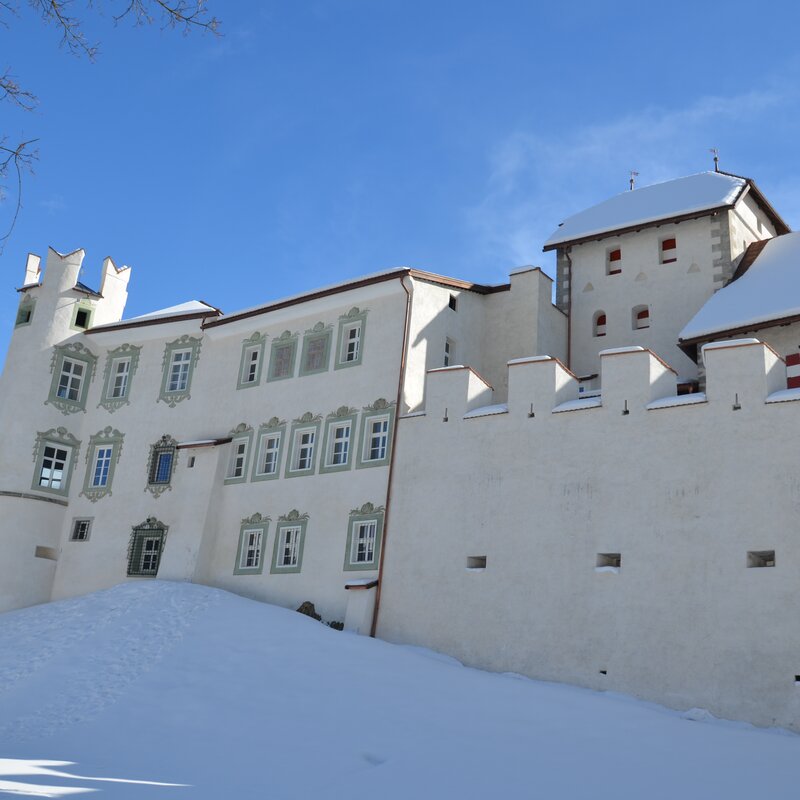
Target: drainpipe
(569, 309)
(400, 385)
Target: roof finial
(634, 176)
(716, 158)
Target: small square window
(453, 302)
(761, 558)
(608, 561)
(476, 562)
(82, 318)
(80, 530)
(24, 315)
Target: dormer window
(641, 317)
(600, 323)
(614, 261)
(669, 250)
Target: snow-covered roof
(676, 198)
(769, 290)
(192, 307)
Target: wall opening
(761, 558)
(608, 562)
(476, 562)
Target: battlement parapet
(634, 381)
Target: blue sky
(315, 141)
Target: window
(162, 462)
(179, 371)
(305, 432)
(351, 338)
(252, 538)
(281, 363)
(316, 350)
(600, 323)
(55, 453)
(80, 530)
(337, 447)
(25, 311)
(287, 554)
(761, 558)
(146, 547)
(669, 252)
(614, 261)
(120, 366)
(793, 371)
(102, 466)
(268, 457)
(449, 352)
(180, 359)
(241, 435)
(453, 303)
(608, 562)
(641, 318)
(252, 359)
(72, 366)
(364, 534)
(377, 422)
(340, 445)
(476, 562)
(82, 315)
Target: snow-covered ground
(164, 683)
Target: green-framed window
(239, 457)
(350, 341)
(121, 364)
(290, 539)
(82, 315)
(283, 354)
(146, 548)
(316, 350)
(364, 537)
(161, 465)
(375, 441)
(252, 361)
(339, 441)
(252, 545)
(25, 311)
(269, 450)
(180, 360)
(303, 445)
(54, 457)
(72, 366)
(102, 455)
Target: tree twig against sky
(15, 159)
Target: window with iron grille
(162, 463)
(80, 530)
(146, 547)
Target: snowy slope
(769, 290)
(181, 684)
(660, 201)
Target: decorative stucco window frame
(354, 318)
(254, 344)
(289, 340)
(294, 519)
(319, 333)
(75, 352)
(342, 416)
(274, 427)
(151, 528)
(56, 437)
(241, 434)
(82, 305)
(252, 524)
(380, 409)
(108, 437)
(125, 352)
(308, 422)
(184, 343)
(166, 444)
(358, 516)
(25, 311)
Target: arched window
(599, 328)
(640, 317)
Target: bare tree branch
(55, 12)
(19, 158)
(186, 14)
(10, 90)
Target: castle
(600, 491)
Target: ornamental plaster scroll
(254, 519)
(342, 411)
(165, 443)
(255, 338)
(381, 404)
(293, 516)
(367, 509)
(59, 436)
(240, 429)
(273, 422)
(320, 327)
(354, 313)
(308, 417)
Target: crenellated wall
(551, 487)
